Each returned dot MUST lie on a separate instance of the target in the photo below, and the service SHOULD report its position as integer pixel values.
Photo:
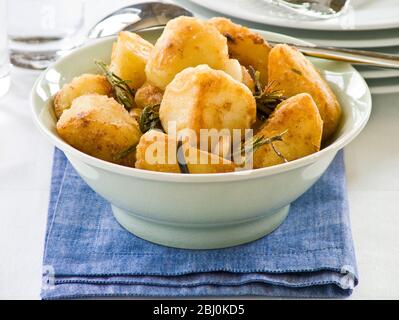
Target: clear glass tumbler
(41, 30)
(4, 59)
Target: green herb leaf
(255, 75)
(181, 160)
(120, 155)
(267, 99)
(149, 118)
(261, 140)
(121, 90)
(256, 143)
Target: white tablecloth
(372, 163)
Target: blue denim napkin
(88, 254)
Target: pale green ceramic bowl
(207, 210)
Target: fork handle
(368, 58)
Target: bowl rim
(335, 146)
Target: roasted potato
(249, 48)
(157, 151)
(301, 118)
(148, 95)
(198, 84)
(203, 98)
(234, 69)
(293, 73)
(129, 57)
(239, 73)
(223, 148)
(247, 79)
(101, 127)
(135, 113)
(185, 42)
(84, 84)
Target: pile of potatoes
(198, 72)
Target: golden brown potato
(233, 68)
(101, 127)
(247, 79)
(300, 117)
(203, 98)
(185, 42)
(129, 57)
(156, 151)
(249, 48)
(239, 73)
(135, 113)
(84, 84)
(293, 73)
(148, 95)
(223, 148)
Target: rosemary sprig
(278, 152)
(267, 99)
(256, 143)
(255, 75)
(121, 90)
(261, 140)
(181, 160)
(149, 118)
(120, 155)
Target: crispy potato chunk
(129, 57)
(148, 95)
(84, 84)
(239, 73)
(203, 98)
(234, 69)
(156, 151)
(135, 113)
(249, 48)
(247, 79)
(185, 42)
(101, 127)
(223, 148)
(300, 117)
(294, 74)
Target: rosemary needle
(122, 92)
(149, 118)
(120, 155)
(261, 140)
(181, 160)
(267, 99)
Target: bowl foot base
(200, 237)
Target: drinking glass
(41, 30)
(4, 60)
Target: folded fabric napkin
(88, 254)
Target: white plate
(390, 50)
(377, 73)
(348, 39)
(351, 39)
(383, 86)
(362, 14)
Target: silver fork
(320, 9)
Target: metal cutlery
(137, 17)
(149, 15)
(318, 9)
